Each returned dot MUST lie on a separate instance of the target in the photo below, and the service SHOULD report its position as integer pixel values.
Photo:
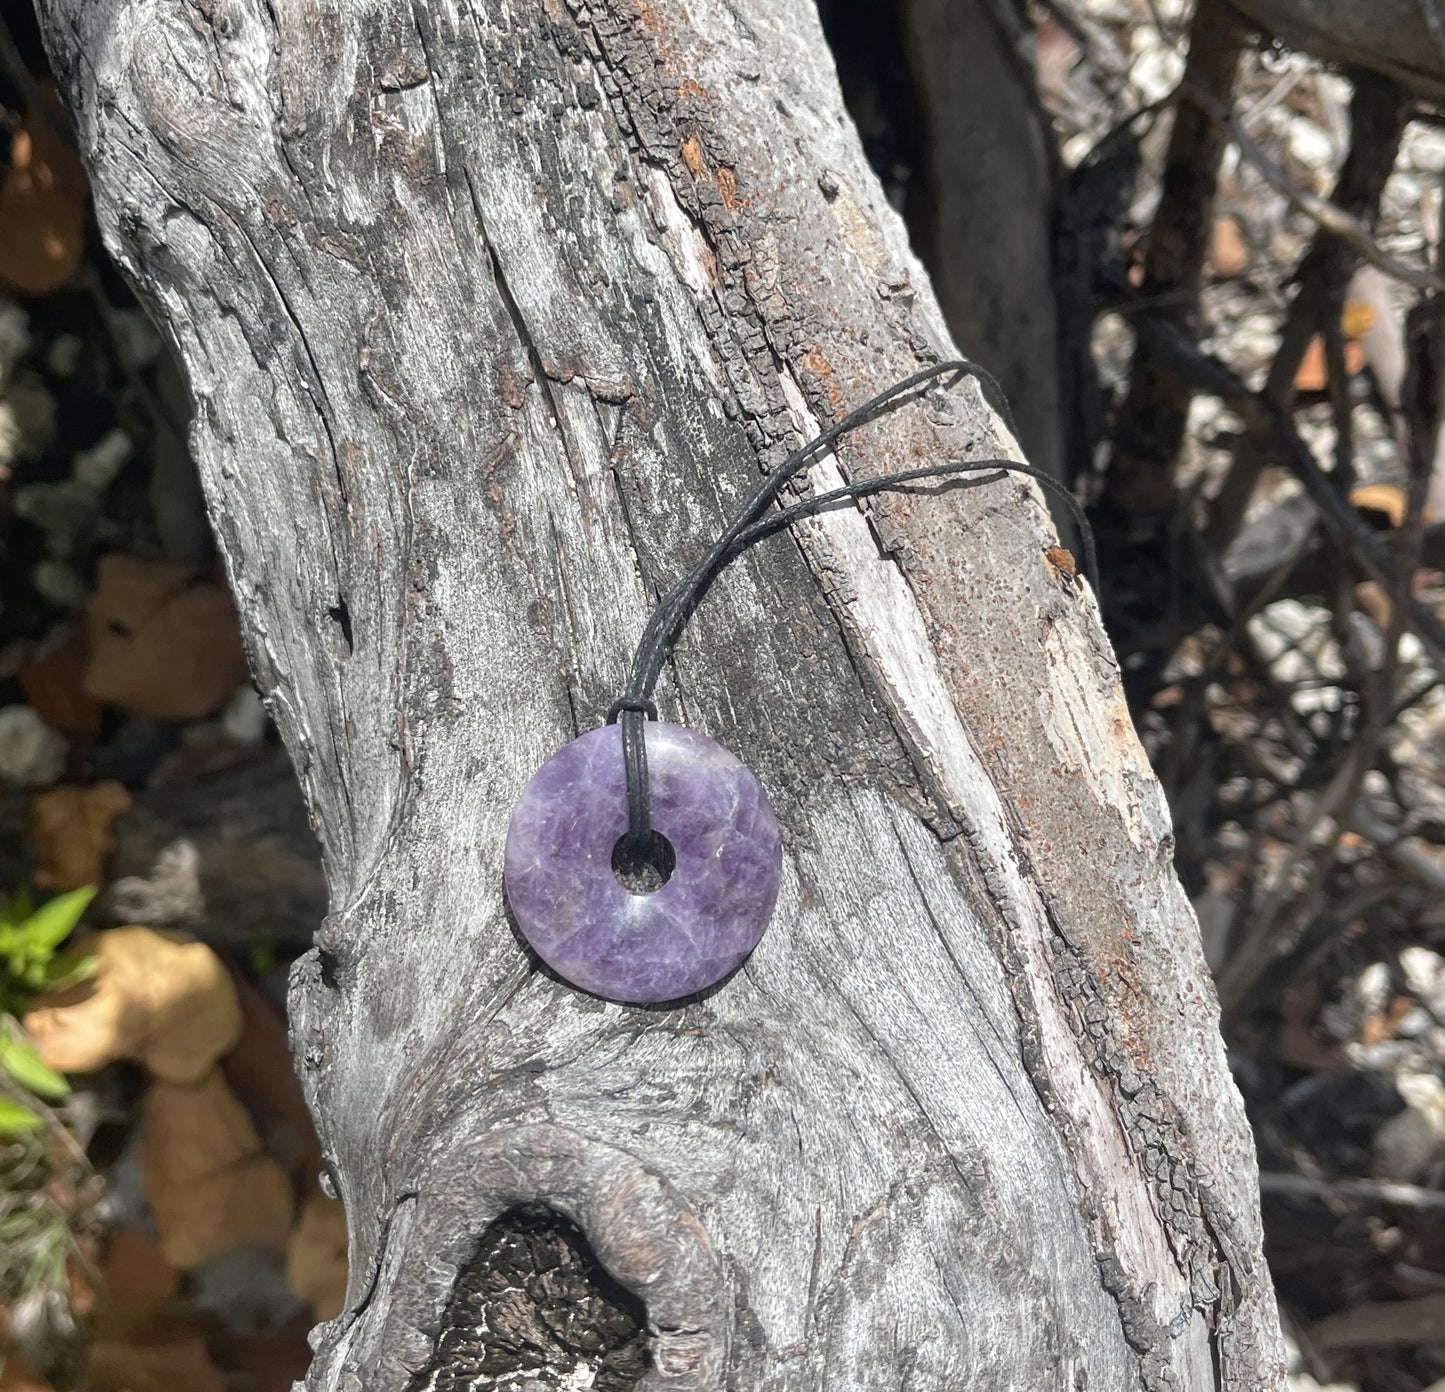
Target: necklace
(643, 861)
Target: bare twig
(1272, 427)
(1353, 1190)
(1385, 1323)
(1402, 854)
(1341, 406)
(1288, 81)
(1324, 214)
(1378, 113)
(1280, 919)
(1150, 426)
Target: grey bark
(490, 314)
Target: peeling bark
(490, 314)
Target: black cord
(751, 525)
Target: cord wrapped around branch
(752, 524)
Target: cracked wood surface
(490, 314)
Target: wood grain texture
(490, 314)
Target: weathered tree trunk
(490, 314)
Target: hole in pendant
(646, 868)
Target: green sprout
(30, 962)
(43, 1169)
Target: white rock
(14, 338)
(1409, 1147)
(1401, 198)
(136, 342)
(1297, 641)
(60, 584)
(244, 718)
(9, 436)
(62, 510)
(1423, 149)
(1405, 1148)
(27, 419)
(1372, 988)
(1424, 974)
(64, 355)
(1310, 145)
(97, 467)
(1156, 73)
(31, 753)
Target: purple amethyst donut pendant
(641, 948)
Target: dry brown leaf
(263, 1360)
(260, 1071)
(210, 1184)
(42, 206)
(182, 1366)
(1301, 1042)
(69, 830)
(1373, 598)
(54, 685)
(1055, 54)
(1357, 319)
(137, 1283)
(161, 998)
(1385, 498)
(1228, 249)
(1375, 1028)
(1061, 563)
(1314, 372)
(163, 642)
(18, 1376)
(316, 1257)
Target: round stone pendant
(642, 945)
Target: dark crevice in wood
(534, 1301)
(340, 615)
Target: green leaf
(20, 907)
(22, 1061)
(53, 922)
(12, 945)
(65, 969)
(16, 1120)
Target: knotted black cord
(750, 526)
